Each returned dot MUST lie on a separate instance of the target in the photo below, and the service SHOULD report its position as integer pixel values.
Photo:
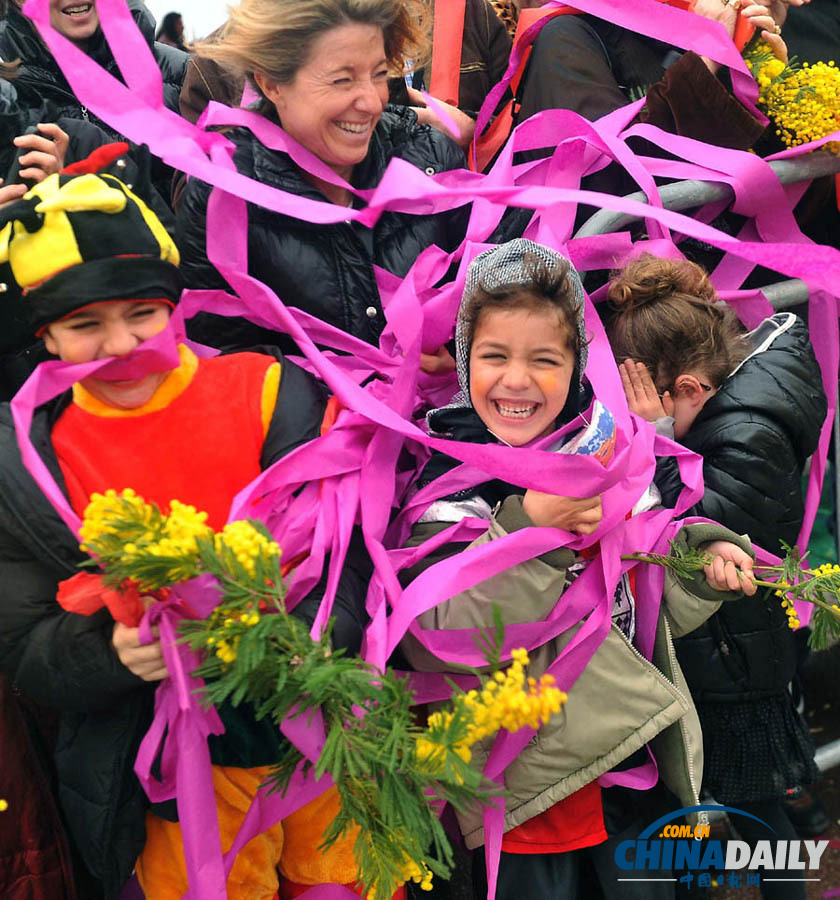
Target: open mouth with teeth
(515, 410)
(82, 9)
(353, 127)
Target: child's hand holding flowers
(730, 568)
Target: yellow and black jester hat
(77, 239)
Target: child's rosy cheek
(548, 382)
(480, 383)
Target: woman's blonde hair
(275, 37)
(667, 316)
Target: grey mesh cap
(499, 267)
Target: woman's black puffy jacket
(325, 270)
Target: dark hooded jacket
(63, 661)
(39, 78)
(325, 270)
(755, 435)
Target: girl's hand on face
(731, 569)
(642, 396)
(46, 151)
(581, 515)
(143, 660)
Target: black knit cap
(78, 239)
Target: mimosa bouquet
(389, 770)
(803, 101)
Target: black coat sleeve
(349, 616)
(58, 658)
(752, 481)
(191, 238)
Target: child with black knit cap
(99, 277)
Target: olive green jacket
(620, 702)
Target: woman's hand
(11, 192)
(143, 660)
(731, 569)
(778, 9)
(766, 16)
(46, 151)
(581, 515)
(642, 396)
(427, 116)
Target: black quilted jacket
(325, 270)
(755, 435)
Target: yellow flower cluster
(803, 101)
(104, 509)
(503, 702)
(790, 609)
(178, 537)
(247, 544)
(227, 647)
(787, 605)
(110, 515)
(4, 805)
(421, 874)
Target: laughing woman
(321, 68)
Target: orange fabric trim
(268, 401)
(175, 383)
(161, 868)
(447, 46)
(334, 407)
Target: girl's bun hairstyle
(649, 278)
(668, 316)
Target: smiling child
(521, 352)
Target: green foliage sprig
(790, 581)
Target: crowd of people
(675, 692)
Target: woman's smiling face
(75, 19)
(337, 96)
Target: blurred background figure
(171, 31)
